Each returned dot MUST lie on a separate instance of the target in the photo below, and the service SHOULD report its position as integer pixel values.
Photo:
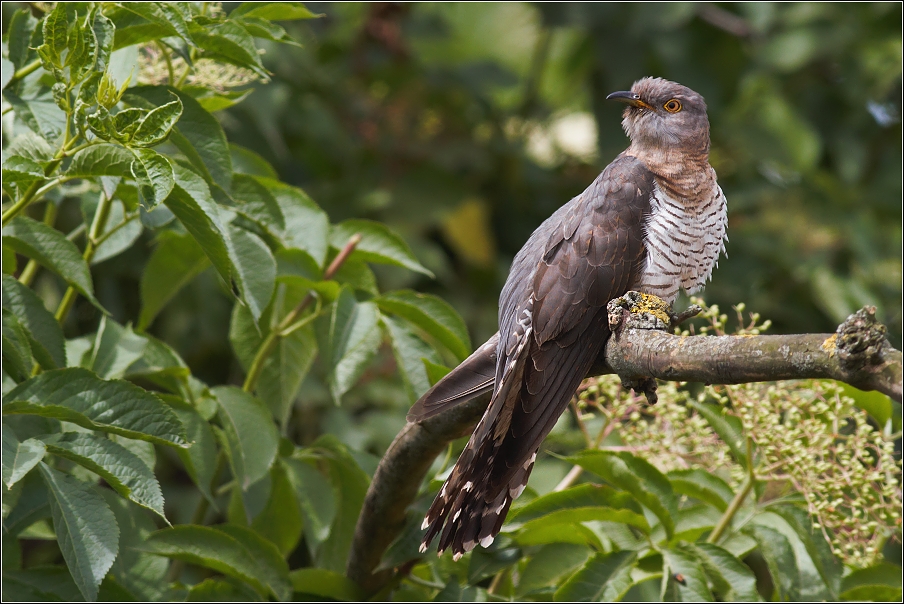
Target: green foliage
(151, 265)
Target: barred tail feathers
(467, 511)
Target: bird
(653, 221)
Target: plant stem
(24, 71)
(35, 190)
(735, 505)
(169, 61)
(287, 324)
(94, 239)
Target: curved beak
(626, 96)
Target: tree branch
(857, 354)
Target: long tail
(475, 376)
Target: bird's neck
(683, 172)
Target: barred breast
(683, 239)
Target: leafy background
(181, 259)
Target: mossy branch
(857, 354)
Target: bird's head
(663, 115)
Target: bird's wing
(552, 326)
(475, 376)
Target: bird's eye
(672, 106)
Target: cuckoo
(653, 221)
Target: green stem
(735, 505)
(94, 239)
(126, 220)
(169, 62)
(35, 189)
(287, 325)
(24, 71)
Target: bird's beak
(626, 96)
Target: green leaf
(254, 269)
(731, 578)
(378, 244)
(432, 314)
(349, 485)
(200, 459)
(197, 134)
(174, 263)
(727, 427)
(154, 176)
(17, 355)
(155, 127)
(231, 43)
(315, 496)
(246, 161)
(43, 117)
(880, 583)
(274, 571)
(306, 225)
(702, 485)
(780, 559)
(115, 349)
(19, 457)
(104, 159)
(142, 574)
(601, 574)
(256, 202)
(21, 27)
(875, 403)
(165, 15)
(261, 28)
(123, 470)
(40, 584)
(104, 32)
(18, 169)
(192, 204)
(76, 395)
(51, 249)
(819, 550)
(578, 504)
(85, 527)
(550, 565)
(221, 590)
(687, 576)
(410, 353)
(637, 477)
(7, 70)
(280, 521)
(348, 340)
(250, 432)
(357, 274)
(436, 372)
(56, 32)
(325, 584)
(274, 11)
(218, 550)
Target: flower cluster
(809, 439)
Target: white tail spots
(422, 548)
(516, 492)
(487, 541)
(457, 556)
(468, 486)
(425, 523)
(442, 492)
(457, 514)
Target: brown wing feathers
(552, 326)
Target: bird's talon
(643, 385)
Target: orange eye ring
(672, 106)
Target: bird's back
(552, 326)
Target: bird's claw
(642, 385)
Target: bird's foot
(635, 310)
(688, 313)
(638, 311)
(643, 385)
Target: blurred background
(464, 126)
